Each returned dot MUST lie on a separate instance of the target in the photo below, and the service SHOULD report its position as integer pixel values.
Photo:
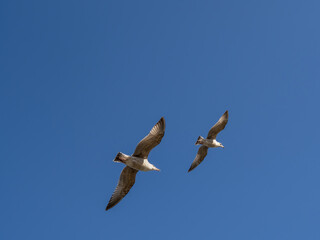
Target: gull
(210, 141)
(138, 161)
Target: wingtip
(226, 113)
(109, 206)
(163, 121)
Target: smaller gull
(137, 161)
(210, 141)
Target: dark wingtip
(108, 207)
(190, 169)
(226, 113)
(163, 121)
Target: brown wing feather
(151, 140)
(126, 181)
(202, 153)
(220, 125)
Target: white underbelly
(210, 143)
(139, 164)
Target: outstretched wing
(151, 140)
(202, 153)
(220, 125)
(126, 181)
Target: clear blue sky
(83, 80)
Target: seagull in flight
(138, 161)
(210, 141)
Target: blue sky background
(83, 80)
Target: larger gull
(210, 141)
(137, 161)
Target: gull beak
(156, 169)
(222, 146)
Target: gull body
(210, 143)
(138, 163)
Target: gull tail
(200, 140)
(120, 157)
